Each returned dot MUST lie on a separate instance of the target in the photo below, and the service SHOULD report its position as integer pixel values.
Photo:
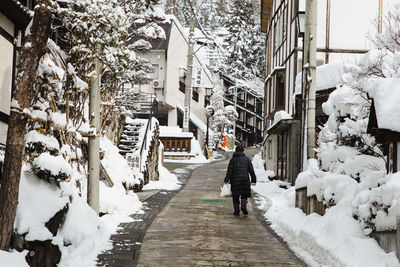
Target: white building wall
(157, 59)
(176, 60)
(6, 66)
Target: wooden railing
(176, 144)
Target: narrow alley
(197, 228)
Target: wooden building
(249, 106)
(14, 18)
(342, 28)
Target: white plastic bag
(226, 190)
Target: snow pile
(15, 259)
(167, 180)
(38, 202)
(261, 174)
(125, 202)
(335, 239)
(82, 234)
(311, 172)
(379, 206)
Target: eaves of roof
(16, 12)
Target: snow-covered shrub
(51, 168)
(346, 151)
(378, 207)
(37, 143)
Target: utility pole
(310, 53)
(94, 137)
(189, 68)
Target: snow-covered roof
(16, 12)
(328, 76)
(166, 131)
(386, 95)
(280, 116)
(253, 87)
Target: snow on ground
(83, 234)
(335, 239)
(14, 259)
(167, 180)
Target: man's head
(239, 148)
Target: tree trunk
(24, 94)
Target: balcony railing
(250, 107)
(176, 144)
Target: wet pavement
(128, 239)
(195, 227)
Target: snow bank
(167, 180)
(14, 258)
(261, 174)
(37, 203)
(335, 239)
(83, 234)
(116, 165)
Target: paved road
(127, 241)
(197, 228)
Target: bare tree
(33, 50)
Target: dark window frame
(280, 90)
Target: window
(195, 94)
(250, 120)
(280, 91)
(182, 86)
(270, 149)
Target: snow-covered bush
(347, 152)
